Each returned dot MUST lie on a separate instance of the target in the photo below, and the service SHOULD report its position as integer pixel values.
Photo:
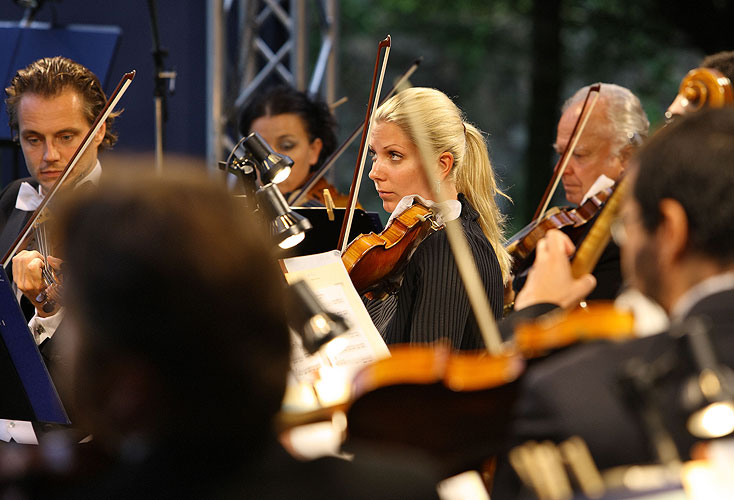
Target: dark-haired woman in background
(300, 127)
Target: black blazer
(12, 220)
(581, 392)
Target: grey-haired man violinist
(600, 157)
(677, 248)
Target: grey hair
(628, 123)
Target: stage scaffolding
(253, 42)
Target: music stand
(324, 235)
(26, 389)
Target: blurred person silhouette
(178, 349)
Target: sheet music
(327, 277)
(20, 431)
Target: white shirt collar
(29, 198)
(600, 184)
(93, 175)
(698, 292)
(445, 211)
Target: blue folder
(26, 389)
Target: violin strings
(43, 248)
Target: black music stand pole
(159, 91)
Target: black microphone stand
(159, 90)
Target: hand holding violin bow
(550, 280)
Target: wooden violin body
(430, 364)
(522, 244)
(561, 328)
(375, 262)
(455, 406)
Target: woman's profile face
(286, 133)
(396, 167)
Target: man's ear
(625, 155)
(672, 232)
(99, 136)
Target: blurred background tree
(510, 65)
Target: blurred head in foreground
(175, 310)
(676, 223)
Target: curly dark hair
(281, 99)
(48, 77)
(722, 62)
(692, 162)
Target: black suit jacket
(581, 392)
(12, 220)
(608, 273)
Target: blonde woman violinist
(431, 303)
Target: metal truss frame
(240, 59)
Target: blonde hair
(446, 131)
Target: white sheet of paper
(327, 277)
(20, 431)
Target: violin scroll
(701, 88)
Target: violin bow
(22, 239)
(578, 129)
(462, 253)
(299, 195)
(367, 128)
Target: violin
(431, 398)
(560, 328)
(427, 364)
(375, 262)
(523, 243)
(456, 406)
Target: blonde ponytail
(476, 180)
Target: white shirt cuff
(44, 328)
